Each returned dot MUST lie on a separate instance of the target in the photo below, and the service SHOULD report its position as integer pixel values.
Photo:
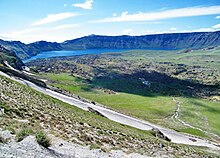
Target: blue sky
(60, 20)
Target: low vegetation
(116, 80)
(42, 139)
(149, 86)
(41, 112)
(23, 133)
(148, 106)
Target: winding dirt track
(176, 115)
(174, 136)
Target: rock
(108, 91)
(93, 102)
(29, 148)
(26, 148)
(6, 136)
(157, 133)
(2, 111)
(161, 145)
(95, 111)
(71, 150)
(192, 139)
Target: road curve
(174, 136)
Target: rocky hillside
(18, 47)
(159, 41)
(22, 107)
(42, 46)
(24, 51)
(59, 148)
(164, 41)
(10, 57)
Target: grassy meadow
(144, 105)
(114, 80)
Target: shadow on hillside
(206, 107)
(159, 84)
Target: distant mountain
(25, 51)
(194, 40)
(42, 46)
(11, 58)
(169, 41)
(21, 49)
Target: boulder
(95, 111)
(157, 133)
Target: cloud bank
(86, 5)
(53, 18)
(165, 14)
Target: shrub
(42, 139)
(5, 107)
(24, 133)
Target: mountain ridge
(24, 51)
(11, 58)
(194, 40)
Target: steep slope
(21, 49)
(10, 57)
(164, 41)
(24, 51)
(42, 46)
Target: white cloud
(124, 14)
(65, 5)
(146, 22)
(53, 18)
(173, 29)
(86, 5)
(216, 26)
(114, 14)
(166, 14)
(127, 32)
(26, 31)
(217, 17)
(66, 26)
(29, 35)
(203, 30)
(152, 32)
(145, 32)
(164, 8)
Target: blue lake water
(64, 53)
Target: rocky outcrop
(11, 58)
(59, 148)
